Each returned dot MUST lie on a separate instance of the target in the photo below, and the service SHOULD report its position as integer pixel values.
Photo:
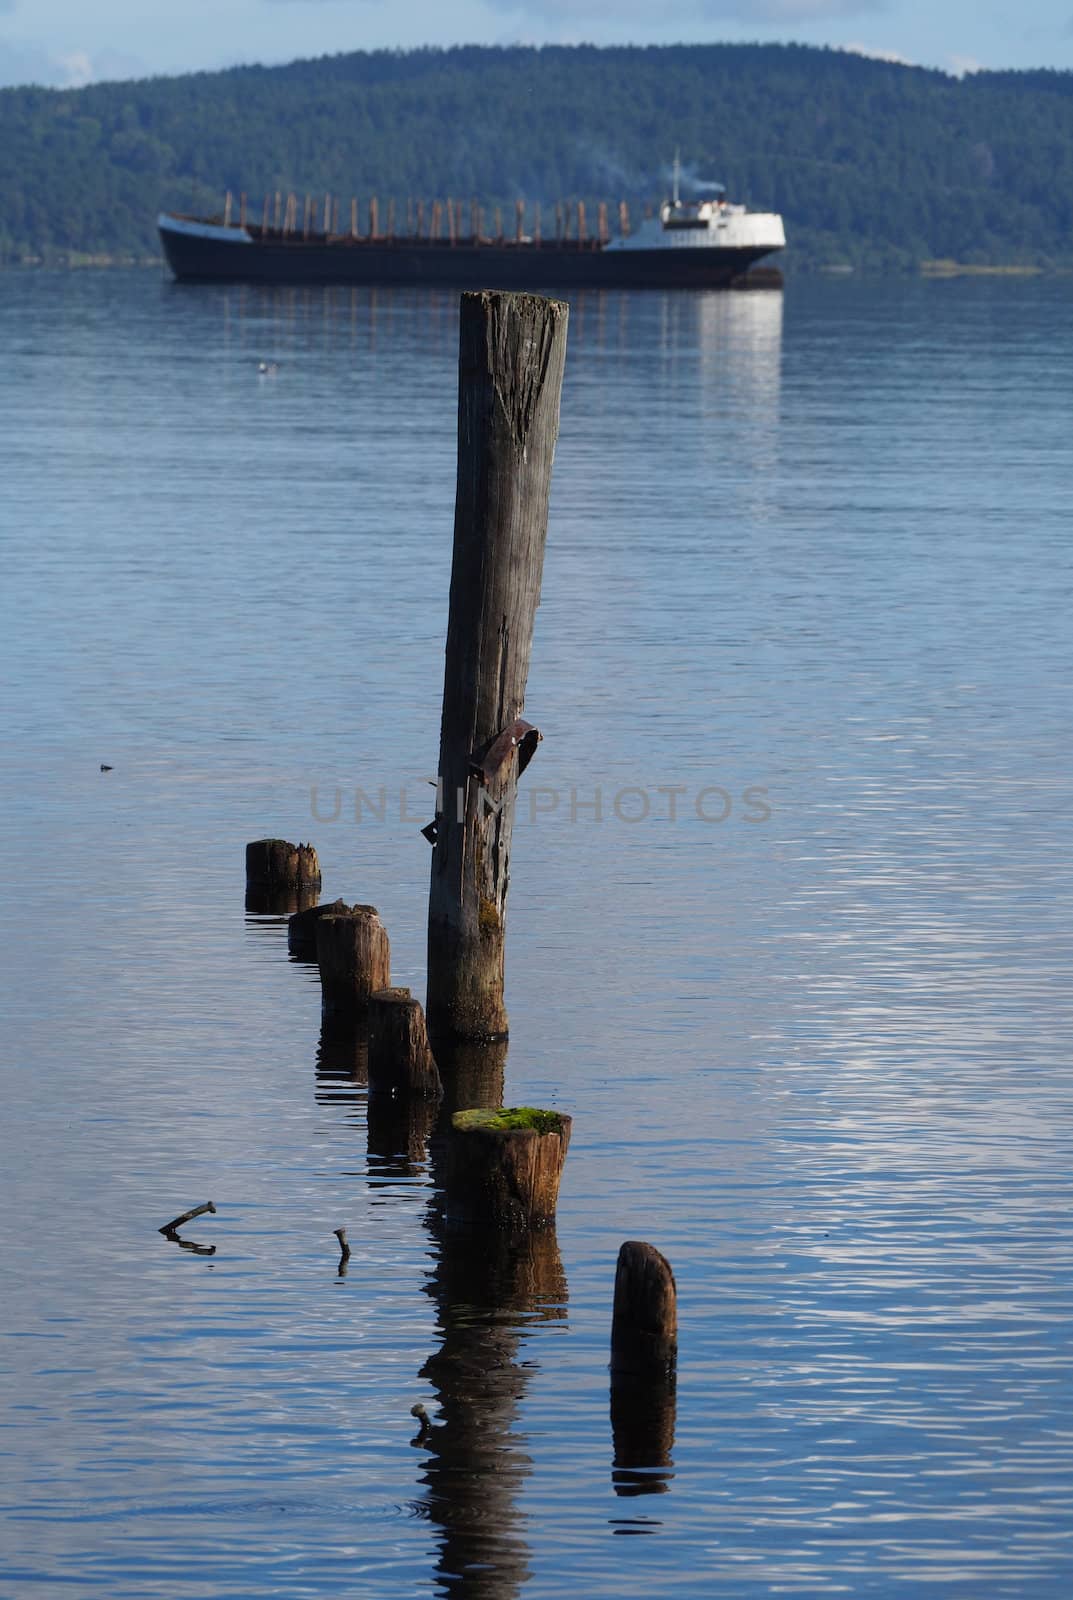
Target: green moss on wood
(511, 1119)
(488, 919)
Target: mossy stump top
(511, 1119)
(504, 1166)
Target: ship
(705, 242)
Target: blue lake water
(803, 984)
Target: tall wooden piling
(512, 349)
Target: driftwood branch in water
(187, 1216)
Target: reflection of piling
(264, 901)
(512, 349)
(644, 1350)
(642, 1428)
(302, 929)
(397, 1136)
(487, 1289)
(503, 1167)
(342, 1058)
(400, 1060)
(354, 959)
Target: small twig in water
(187, 1216)
(344, 1248)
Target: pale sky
(71, 42)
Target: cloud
(69, 69)
(961, 66)
(77, 67)
(772, 12)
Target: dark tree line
(871, 164)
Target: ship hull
(215, 255)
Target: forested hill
(870, 163)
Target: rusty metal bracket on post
(520, 738)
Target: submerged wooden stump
(644, 1325)
(503, 1167)
(354, 957)
(400, 1060)
(276, 863)
(302, 928)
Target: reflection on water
(342, 1060)
(487, 1288)
(642, 1426)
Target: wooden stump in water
(275, 863)
(503, 1167)
(302, 928)
(354, 957)
(400, 1060)
(644, 1325)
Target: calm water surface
(814, 545)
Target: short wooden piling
(512, 350)
(644, 1324)
(278, 864)
(503, 1167)
(302, 929)
(354, 957)
(400, 1060)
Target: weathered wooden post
(644, 1352)
(400, 1060)
(354, 957)
(503, 1167)
(276, 864)
(302, 929)
(512, 349)
(280, 877)
(644, 1324)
